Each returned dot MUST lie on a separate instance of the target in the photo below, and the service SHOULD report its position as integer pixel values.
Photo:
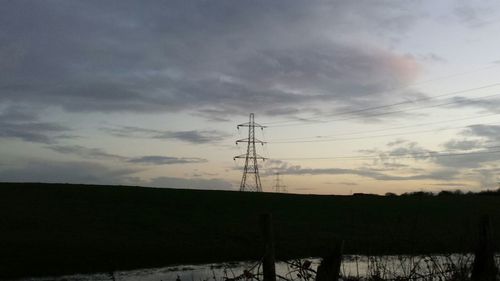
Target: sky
(356, 96)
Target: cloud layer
(213, 58)
(21, 123)
(96, 153)
(191, 136)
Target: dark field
(56, 229)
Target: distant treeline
(456, 192)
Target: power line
(428, 154)
(490, 65)
(388, 129)
(389, 112)
(295, 122)
(378, 136)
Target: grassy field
(55, 229)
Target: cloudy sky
(357, 96)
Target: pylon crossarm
(244, 156)
(242, 140)
(250, 125)
(247, 140)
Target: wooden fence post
(484, 268)
(268, 262)
(329, 269)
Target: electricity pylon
(279, 187)
(250, 181)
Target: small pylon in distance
(279, 187)
(250, 181)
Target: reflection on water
(385, 266)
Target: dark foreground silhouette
(52, 229)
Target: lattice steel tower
(279, 187)
(250, 181)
